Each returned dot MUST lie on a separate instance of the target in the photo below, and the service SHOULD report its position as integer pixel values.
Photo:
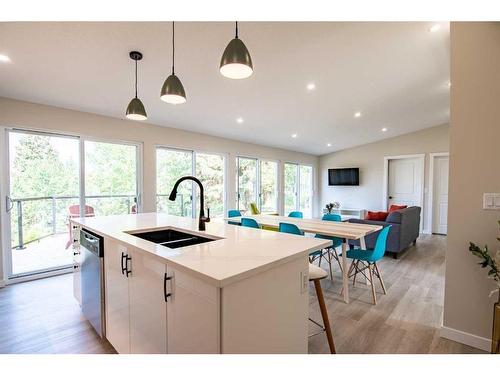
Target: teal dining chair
(249, 223)
(330, 253)
(290, 228)
(233, 213)
(368, 259)
(296, 214)
(293, 229)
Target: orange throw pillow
(395, 207)
(376, 216)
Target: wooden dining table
(344, 230)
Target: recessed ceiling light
(294, 135)
(311, 86)
(328, 145)
(357, 114)
(435, 28)
(239, 120)
(4, 58)
(384, 129)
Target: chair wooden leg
(380, 278)
(370, 273)
(324, 315)
(355, 273)
(336, 256)
(330, 264)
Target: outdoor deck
(48, 252)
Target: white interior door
(405, 182)
(440, 195)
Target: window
(291, 184)
(298, 188)
(246, 183)
(173, 164)
(111, 177)
(305, 191)
(257, 182)
(268, 195)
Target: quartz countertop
(238, 252)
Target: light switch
(491, 201)
(496, 201)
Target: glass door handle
(9, 204)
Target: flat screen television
(343, 177)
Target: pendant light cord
(136, 79)
(173, 47)
(236, 29)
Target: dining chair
(368, 259)
(296, 214)
(330, 253)
(253, 209)
(315, 275)
(290, 228)
(233, 213)
(249, 223)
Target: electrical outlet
(304, 281)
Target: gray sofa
(404, 231)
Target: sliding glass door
(298, 189)
(210, 170)
(172, 164)
(46, 188)
(43, 186)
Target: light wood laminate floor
(42, 316)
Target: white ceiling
(396, 74)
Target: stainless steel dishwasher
(92, 279)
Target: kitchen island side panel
(268, 312)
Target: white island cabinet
(244, 292)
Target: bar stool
(315, 275)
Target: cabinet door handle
(127, 271)
(124, 256)
(165, 279)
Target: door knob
(390, 197)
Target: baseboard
(466, 338)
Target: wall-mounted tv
(343, 177)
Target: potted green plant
(493, 265)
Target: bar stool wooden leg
(324, 315)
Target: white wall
(19, 114)
(474, 170)
(370, 160)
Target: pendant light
(135, 109)
(236, 62)
(172, 91)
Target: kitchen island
(244, 290)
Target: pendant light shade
(172, 90)
(236, 62)
(135, 109)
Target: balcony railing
(55, 213)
